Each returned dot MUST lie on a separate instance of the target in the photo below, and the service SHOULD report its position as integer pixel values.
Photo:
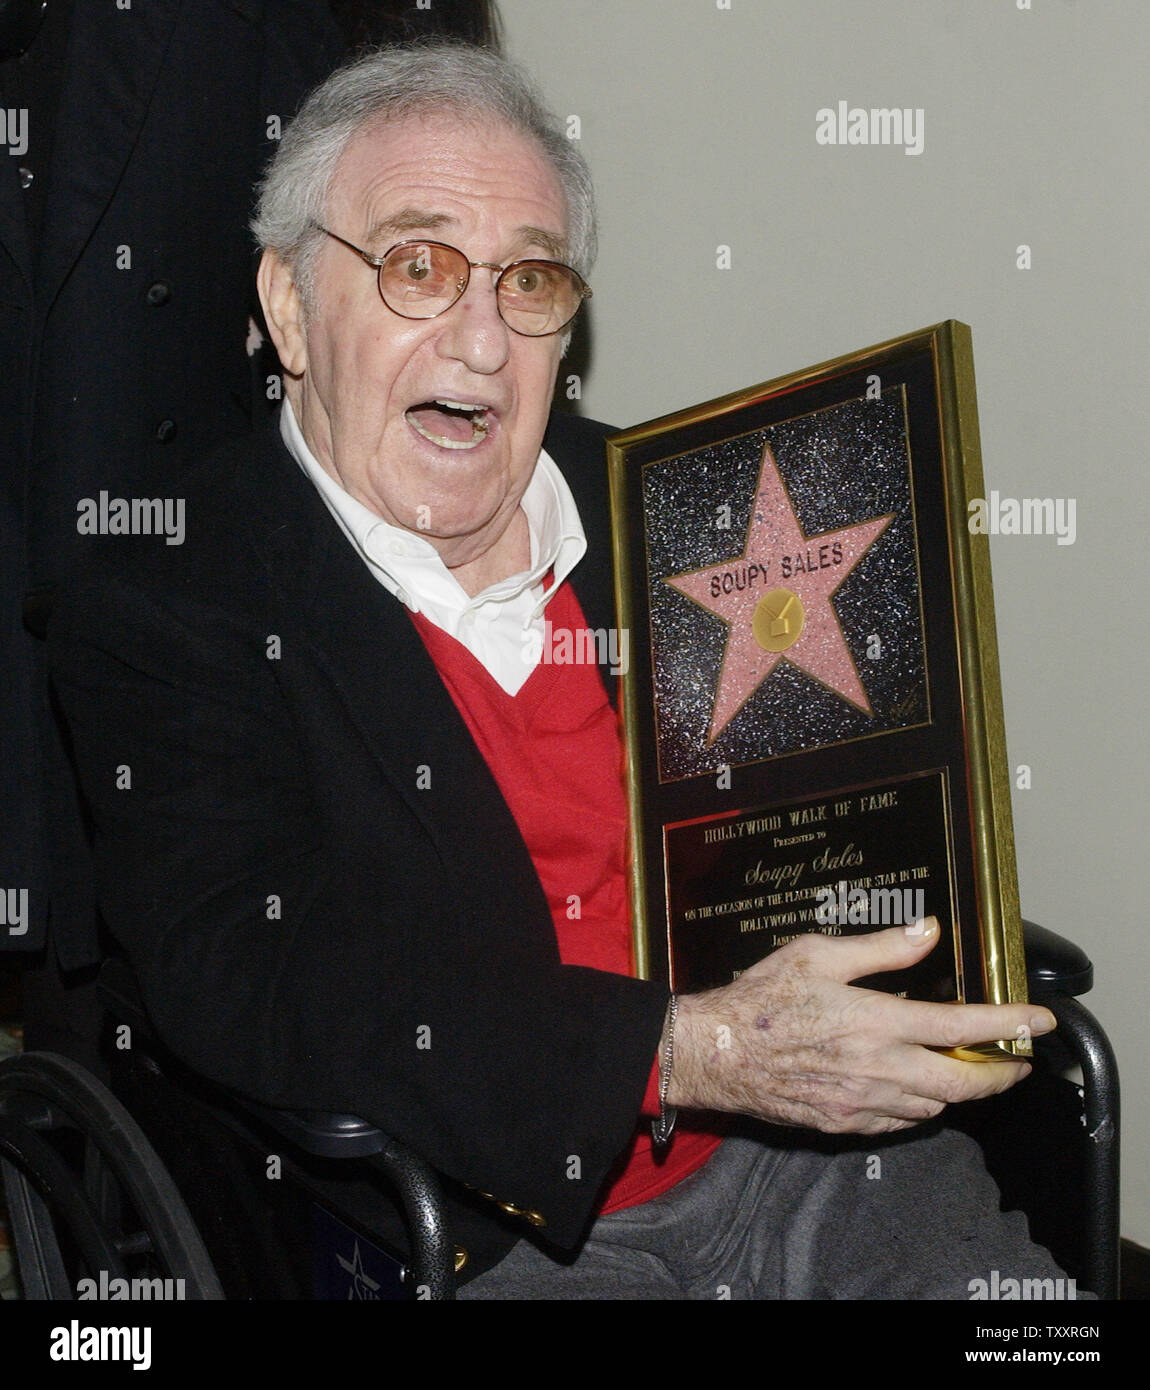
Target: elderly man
(340, 819)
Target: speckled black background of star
(841, 465)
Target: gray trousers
(798, 1217)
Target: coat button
(158, 294)
(26, 176)
(165, 431)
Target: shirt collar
(410, 567)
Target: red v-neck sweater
(554, 750)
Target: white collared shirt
(503, 627)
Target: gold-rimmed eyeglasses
(423, 279)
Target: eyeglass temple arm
(374, 261)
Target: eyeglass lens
(421, 279)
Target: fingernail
(1042, 1023)
(918, 930)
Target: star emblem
(362, 1285)
(776, 600)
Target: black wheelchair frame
(86, 1190)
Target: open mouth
(450, 424)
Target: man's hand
(793, 1042)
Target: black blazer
(122, 336)
(251, 712)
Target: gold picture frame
(814, 674)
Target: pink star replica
(776, 600)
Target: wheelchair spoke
(115, 1198)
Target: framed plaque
(812, 706)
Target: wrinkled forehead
(444, 170)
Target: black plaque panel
(810, 620)
(742, 884)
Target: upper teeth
(479, 425)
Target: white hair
(392, 84)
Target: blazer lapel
(363, 637)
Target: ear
(283, 312)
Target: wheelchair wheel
(89, 1202)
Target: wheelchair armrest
(327, 1135)
(321, 1133)
(1056, 971)
(1053, 964)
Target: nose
(473, 332)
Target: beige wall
(699, 120)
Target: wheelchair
(90, 1197)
